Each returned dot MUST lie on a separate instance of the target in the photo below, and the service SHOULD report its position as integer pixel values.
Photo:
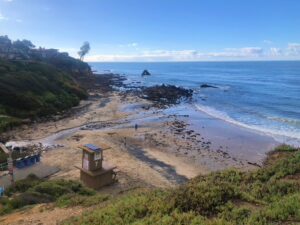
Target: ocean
(261, 96)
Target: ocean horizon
(260, 95)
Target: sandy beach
(169, 147)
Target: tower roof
(93, 147)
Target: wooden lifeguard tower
(94, 173)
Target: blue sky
(159, 30)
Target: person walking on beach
(135, 127)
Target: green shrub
(273, 189)
(204, 198)
(58, 188)
(33, 190)
(23, 185)
(235, 214)
(285, 148)
(176, 217)
(3, 157)
(30, 198)
(7, 122)
(70, 200)
(278, 170)
(279, 212)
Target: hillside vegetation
(36, 82)
(270, 195)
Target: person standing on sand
(125, 141)
(135, 127)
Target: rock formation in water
(207, 86)
(146, 73)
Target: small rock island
(146, 73)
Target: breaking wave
(280, 135)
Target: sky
(159, 30)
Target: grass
(270, 195)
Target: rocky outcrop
(207, 86)
(164, 95)
(146, 73)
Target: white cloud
(180, 55)
(291, 52)
(276, 52)
(156, 55)
(239, 52)
(7, 0)
(293, 49)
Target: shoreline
(278, 137)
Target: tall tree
(84, 49)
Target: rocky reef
(164, 95)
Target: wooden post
(9, 162)
(10, 168)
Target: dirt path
(44, 214)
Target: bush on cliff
(32, 89)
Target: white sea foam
(285, 120)
(282, 136)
